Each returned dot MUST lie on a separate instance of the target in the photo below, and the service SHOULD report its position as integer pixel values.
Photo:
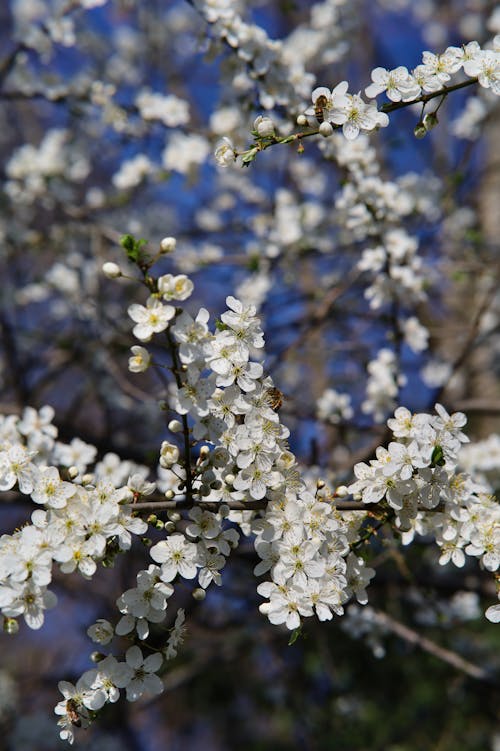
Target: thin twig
(446, 655)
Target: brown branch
(424, 98)
(468, 342)
(183, 503)
(446, 655)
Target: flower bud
(174, 516)
(169, 454)
(430, 120)
(111, 270)
(169, 527)
(229, 479)
(419, 130)
(264, 126)
(140, 360)
(72, 472)
(341, 491)
(168, 244)
(175, 426)
(302, 120)
(325, 129)
(169, 495)
(199, 594)
(224, 153)
(10, 626)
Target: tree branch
(446, 655)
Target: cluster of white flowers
(97, 687)
(302, 543)
(30, 168)
(383, 384)
(263, 62)
(132, 172)
(245, 475)
(418, 474)
(334, 407)
(240, 475)
(77, 517)
(170, 110)
(338, 108)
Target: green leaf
(295, 635)
(437, 458)
(133, 247)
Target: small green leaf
(133, 247)
(437, 458)
(295, 635)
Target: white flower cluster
(306, 546)
(279, 80)
(334, 407)
(303, 544)
(338, 108)
(170, 110)
(30, 168)
(384, 382)
(73, 525)
(96, 687)
(418, 474)
(375, 210)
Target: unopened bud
(302, 120)
(111, 270)
(341, 491)
(174, 516)
(325, 129)
(320, 484)
(97, 656)
(419, 130)
(10, 626)
(430, 120)
(169, 454)
(87, 479)
(152, 519)
(168, 244)
(72, 472)
(199, 594)
(169, 495)
(175, 426)
(264, 126)
(229, 479)
(169, 527)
